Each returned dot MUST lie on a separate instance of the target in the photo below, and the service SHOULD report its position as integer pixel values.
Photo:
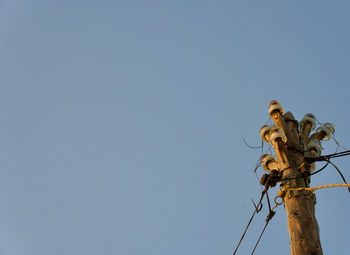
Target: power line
(270, 180)
(340, 173)
(268, 218)
(329, 156)
(264, 192)
(251, 218)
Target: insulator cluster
(276, 137)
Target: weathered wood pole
(300, 204)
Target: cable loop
(275, 199)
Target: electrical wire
(258, 207)
(340, 173)
(268, 218)
(329, 156)
(323, 158)
(249, 146)
(322, 168)
(333, 137)
(298, 177)
(251, 218)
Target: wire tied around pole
(322, 187)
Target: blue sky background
(121, 122)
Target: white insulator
(328, 128)
(275, 106)
(277, 133)
(263, 131)
(314, 145)
(265, 160)
(309, 118)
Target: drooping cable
(319, 170)
(268, 218)
(298, 177)
(329, 156)
(256, 210)
(339, 172)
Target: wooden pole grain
(299, 204)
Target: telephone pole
(293, 148)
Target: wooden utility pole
(292, 148)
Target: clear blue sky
(121, 122)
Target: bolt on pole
(292, 147)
